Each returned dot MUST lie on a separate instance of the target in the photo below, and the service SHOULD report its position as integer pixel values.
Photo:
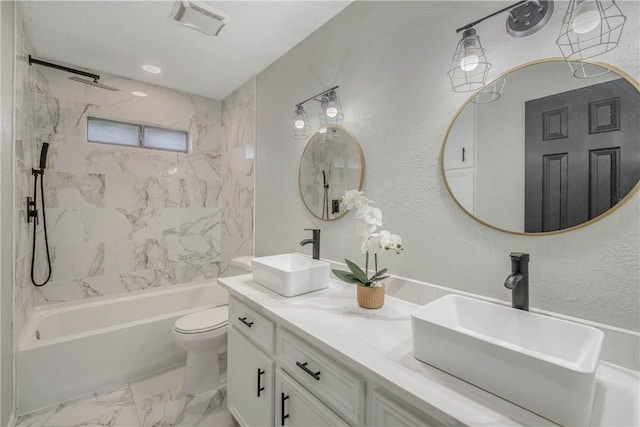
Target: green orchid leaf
(346, 276)
(357, 271)
(379, 273)
(378, 279)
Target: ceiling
(118, 37)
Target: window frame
(141, 127)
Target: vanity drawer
(254, 326)
(333, 384)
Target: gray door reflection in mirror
(490, 186)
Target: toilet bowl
(202, 334)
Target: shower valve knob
(32, 212)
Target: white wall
(390, 60)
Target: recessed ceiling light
(139, 93)
(151, 69)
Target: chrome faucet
(518, 280)
(315, 241)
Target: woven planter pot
(370, 297)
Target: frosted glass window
(164, 139)
(111, 132)
(135, 135)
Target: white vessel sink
(543, 364)
(290, 274)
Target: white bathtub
(70, 349)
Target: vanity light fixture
(469, 66)
(589, 28)
(300, 127)
(331, 109)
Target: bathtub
(74, 348)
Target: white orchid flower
(390, 242)
(353, 199)
(370, 215)
(363, 229)
(374, 243)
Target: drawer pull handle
(260, 374)
(303, 366)
(282, 415)
(244, 320)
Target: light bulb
(299, 124)
(323, 130)
(469, 62)
(586, 20)
(332, 112)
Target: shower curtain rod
(33, 60)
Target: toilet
(203, 335)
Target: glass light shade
(331, 109)
(589, 28)
(490, 92)
(299, 127)
(469, 66)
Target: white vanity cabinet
(295, 406)
(250, 366)
(276, 378)
(384, 411)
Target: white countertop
(378, 345)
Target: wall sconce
(589, 28)
(331, 109)
(469, 67)
(300, 127)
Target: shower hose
(36, 174)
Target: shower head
(43, 155)
(94, 83)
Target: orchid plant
(368, 219)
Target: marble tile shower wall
(238, 166)
(26, 96)
(124, 219)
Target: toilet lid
(202, 321)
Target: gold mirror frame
(311, 140)
(622, 201)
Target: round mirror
(550, 153)
(332, 163)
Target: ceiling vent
(199, 16)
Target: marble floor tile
(113, 408)
(161, 403)
(173, 408)
(155, 400)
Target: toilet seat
(203, 321)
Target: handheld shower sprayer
(43, 156)
(32, 213)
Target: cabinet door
(461, 183)
(458, 151)
(385, 412)
(250, 382)
(297, 407)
